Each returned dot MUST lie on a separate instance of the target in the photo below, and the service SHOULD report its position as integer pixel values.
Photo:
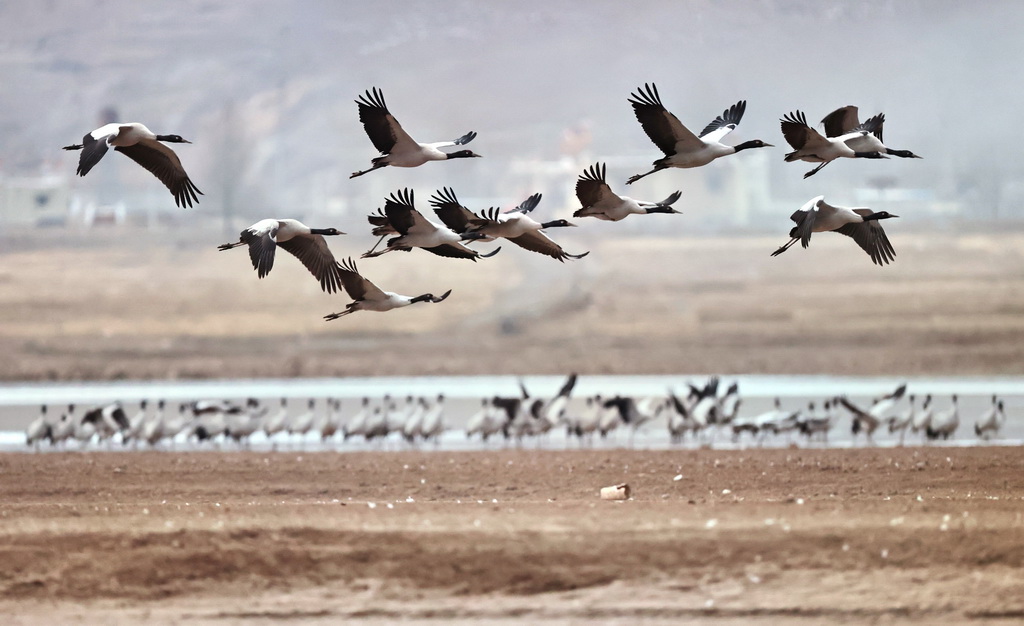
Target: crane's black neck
(555, 224)
(754, 143)
(904, 154)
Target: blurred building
(34, 201)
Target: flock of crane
(702, 414)
(400, 226)
(406, 228)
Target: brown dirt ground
(130, 304)
(816, 536)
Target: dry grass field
(923, 536)
(129, 304)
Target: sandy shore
(908, 535)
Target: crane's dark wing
(841, 121)
(527, 205)
(726, 122)
(358, 288)
(262, 247)
(313, 252)
(567, 387)
(381, 127)
(536, 241)
(592, 188)
(163, 163)
(896, 395)
(663, 128)
(92, 151)
(873, 125)
(796, 131)
(804, 225)
(380, 223)
(871, 238)
(400, 211)
(447, 208)
(454, 251)
(119, 417)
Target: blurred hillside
(265, 91)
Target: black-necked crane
(706, 407)
(546, 414)
(304, 243)
(398, 414)
(880, 411)
(900, 423)
(64, 428)
(39, 429)
(369, 297)
(376, 424)
(330, 423)
(152, 429)
(416, 231)
(174, 425)
(811, 146)
(923, 417)
(490, 420)
(679, 420)
(302, 423)
(107, 420)
(600, 201)
(944, 423)
(988, 423)
(617, 411)
(144, 147)
(477, 422)
(460, 219)
(213, 424)
(241, 426)
(413, 425)
(844, 121)
(395, 145)
(648, 409)
(357, 423)
(136, 423)
(509, 412)
(776, 421)
(433, 421)
(587, 421)
(681, 147)
(518, 227)
(729, 404)
(860, 224)
(278, 421)
(817, 425)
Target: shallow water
(19, 403)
